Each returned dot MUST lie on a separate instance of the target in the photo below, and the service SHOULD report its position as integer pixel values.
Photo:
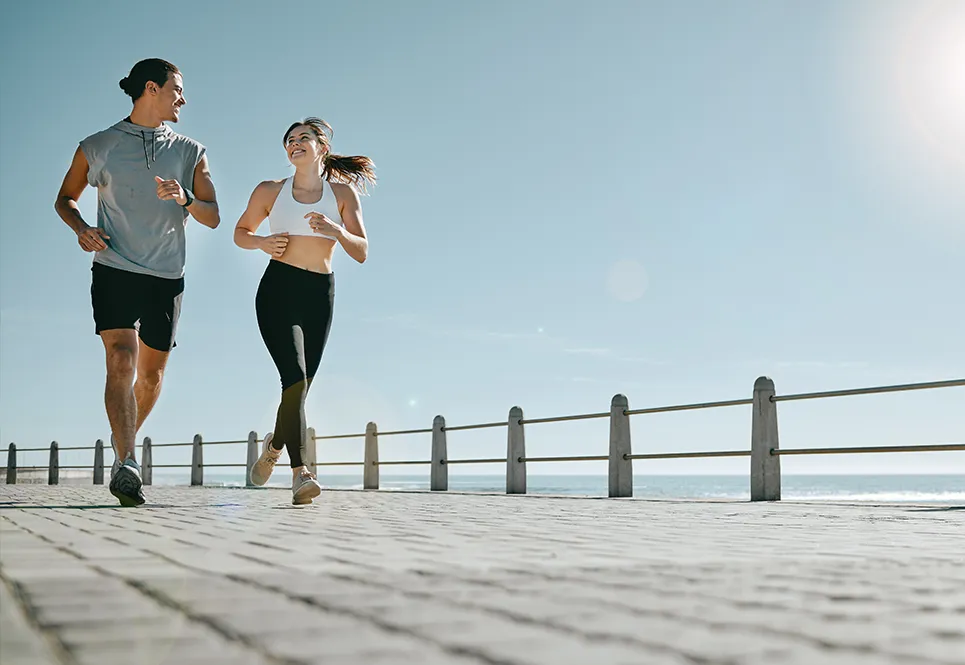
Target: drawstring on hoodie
(144, 145)
(129, 128)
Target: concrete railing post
(765, 467)
(12, 464)
(53, 467)
(621, 468)
(370, 472)
(197, 462)
(515, 453)
(99, 462)
(147, 461)
(310, 454)
(253, 455)
(439, 478)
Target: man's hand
(323, 225)
(90, 239)
(275, 245)
(168, 190)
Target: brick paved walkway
(215, 576)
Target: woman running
(309, 214)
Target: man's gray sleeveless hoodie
(146, 233)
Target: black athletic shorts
(148, 304)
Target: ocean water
(944, 489)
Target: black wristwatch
(189, 197)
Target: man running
(148, 180)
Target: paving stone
(210, 652)
(91, 613)
(424, 656)
(820, 656)
(568, 650)
(167, 628)
(361, 643)
(59, 590)
(305, 619)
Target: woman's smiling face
(303, 146)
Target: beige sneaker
(304, 488)
(261, 471)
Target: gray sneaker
(261, 470)
(304, 488)
(126, 483)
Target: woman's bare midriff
(307, 253)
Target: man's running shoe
(126, 484)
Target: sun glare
(930, 55)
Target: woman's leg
(315, 300)
(276, 305)
(290, 421)
(317, 321)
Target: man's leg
(150, 374)
(121, 350)
(159, 322)
(116, 301)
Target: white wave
(883, 497)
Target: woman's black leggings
(294, 308)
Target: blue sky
(661, 199)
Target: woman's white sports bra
(288, 215)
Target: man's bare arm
(204, 208)
(205, 205)
(91, 239)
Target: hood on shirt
(146, 134)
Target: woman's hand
(323, 225)
(275, 244)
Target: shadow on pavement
(11, 505)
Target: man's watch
(189, 197)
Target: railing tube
(621, 466)
(99, 462)
(12, 464)
(516, 453)
(53, 467)
(370, 472)
(765, 467)
(253, 454)
(439, 473)
(310, 453)
(197, 461)
(147, 461)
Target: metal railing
(765, 452)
